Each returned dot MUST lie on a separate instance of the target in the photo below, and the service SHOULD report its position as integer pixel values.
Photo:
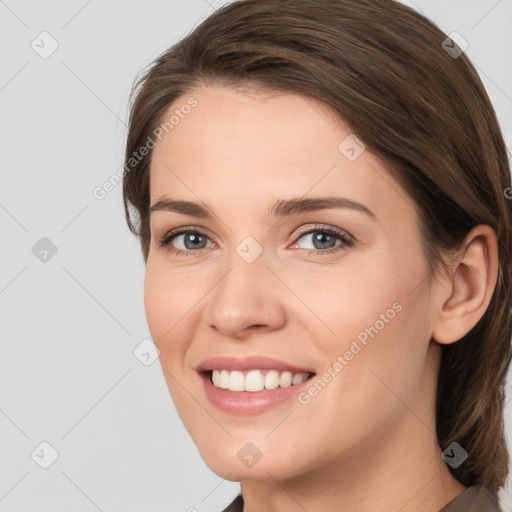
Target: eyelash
(347, 241)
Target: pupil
(322, 238)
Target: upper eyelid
(205, 231)
(324, 227)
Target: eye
(184, 241)
(191, 241)
(323, 240)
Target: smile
(256, 380)
(252, 384)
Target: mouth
(247, 391)
(252, 385)
(255, 380)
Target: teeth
(297, 378)
(256, 380)
(224, 379)
(286, 379)
(271, 379)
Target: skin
(367, 440)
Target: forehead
(253, 148)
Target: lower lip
(249, 402)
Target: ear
(469, 287)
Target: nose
(247, 299)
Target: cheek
(381, 325)
(375, 316)
(350, 299)
(155, 303)
(165, 303)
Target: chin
(241, 460)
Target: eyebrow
(280, 208)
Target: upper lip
(250, 363)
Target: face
(300, 258)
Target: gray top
(474, 499)
(477, 498)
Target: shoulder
(237, 505)
(477, 498)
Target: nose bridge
(245, 296)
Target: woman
(320, 195)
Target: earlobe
(473, 280)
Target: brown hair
(423, 111)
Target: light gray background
(68, 375)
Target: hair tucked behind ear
(382, 67)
